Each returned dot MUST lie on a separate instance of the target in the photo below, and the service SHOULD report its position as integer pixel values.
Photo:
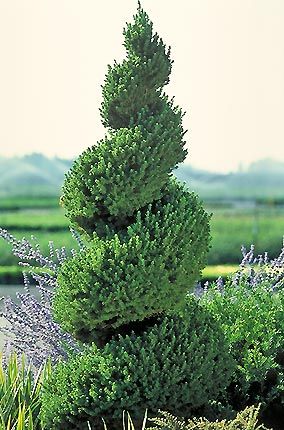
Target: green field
(26, 202)
(230, 228)
(34, 220)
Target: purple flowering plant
(30, 326)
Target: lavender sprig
(258, 269)
(29, 252)
(253, 270)
(30, 325)
(32, 330)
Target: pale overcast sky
(228, 74)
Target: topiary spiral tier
(147, 239)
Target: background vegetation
(247, 207)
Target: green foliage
(147, 235)
(252, 319)
(126, 171)
(20, 395)
(141, 271)
(229, 230)
(146, 243)
(136, 84)
(109, 182)
(178, 361)
(127, 423)
(245, 420)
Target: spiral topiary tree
(147, 238)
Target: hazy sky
(228, 74)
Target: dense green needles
(146, 242)
(138, 272)
(179, 363)
(147, 235)
(127, 170)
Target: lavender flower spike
(30, 326)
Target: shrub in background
(250, 309)
(146, 243)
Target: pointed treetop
(139, 4)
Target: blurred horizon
(228, 75)
(269, 163)
(36, 174)
(247, 207)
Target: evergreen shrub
(147, 235)
(140, 271)
(146, 239)
(179, 363)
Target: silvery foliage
(30, 326)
